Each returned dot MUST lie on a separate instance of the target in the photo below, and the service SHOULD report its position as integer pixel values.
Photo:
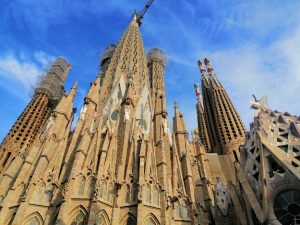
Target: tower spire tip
(201, 67)
(210, 70)
(75, 85)
(175, 104)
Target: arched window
(81, 186)
(79, 219)
(127, 194)
(130, 221)
(155, 196)
(287, 207)
(150, 222)
(33, 221)
(147, 193)
(100, 220)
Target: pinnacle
(175, 105)
(75, 85)
(201, 67)
(209, 68)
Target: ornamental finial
(175, 105)
(197, 90)
(201, 67)
(210, 70)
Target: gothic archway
(78, 216)
(151, 220)
(33, 219)
(102, 218)
(129, 219)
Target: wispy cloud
(253, 49)
(15, 69)
(21, 72)
(254, 45)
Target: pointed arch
(151, 219)
(33, 219)
(128, 219)
(78, 215)
(102, 218)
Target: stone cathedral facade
(122, 163)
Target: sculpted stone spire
(208, 110)
(36, 174)
(121, 164)
(179, 129)
(230, 129)
(34, 116)
(202, 126)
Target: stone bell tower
(34, 116)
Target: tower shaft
(202, 126)
(33, 118)
(225, 128)
(25, 129)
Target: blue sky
(254, 47)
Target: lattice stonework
(33, 118)
(271, 164)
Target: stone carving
(83, 112)
(222, 196)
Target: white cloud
(273, 70)
(20, 72)
(15, 69)
(43, 58)
(254, 47)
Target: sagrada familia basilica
(123, 165)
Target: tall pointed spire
(179, 130)
(209, 110)
(34, 116)
(230, 129)
(37, 172)
(202, 127)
